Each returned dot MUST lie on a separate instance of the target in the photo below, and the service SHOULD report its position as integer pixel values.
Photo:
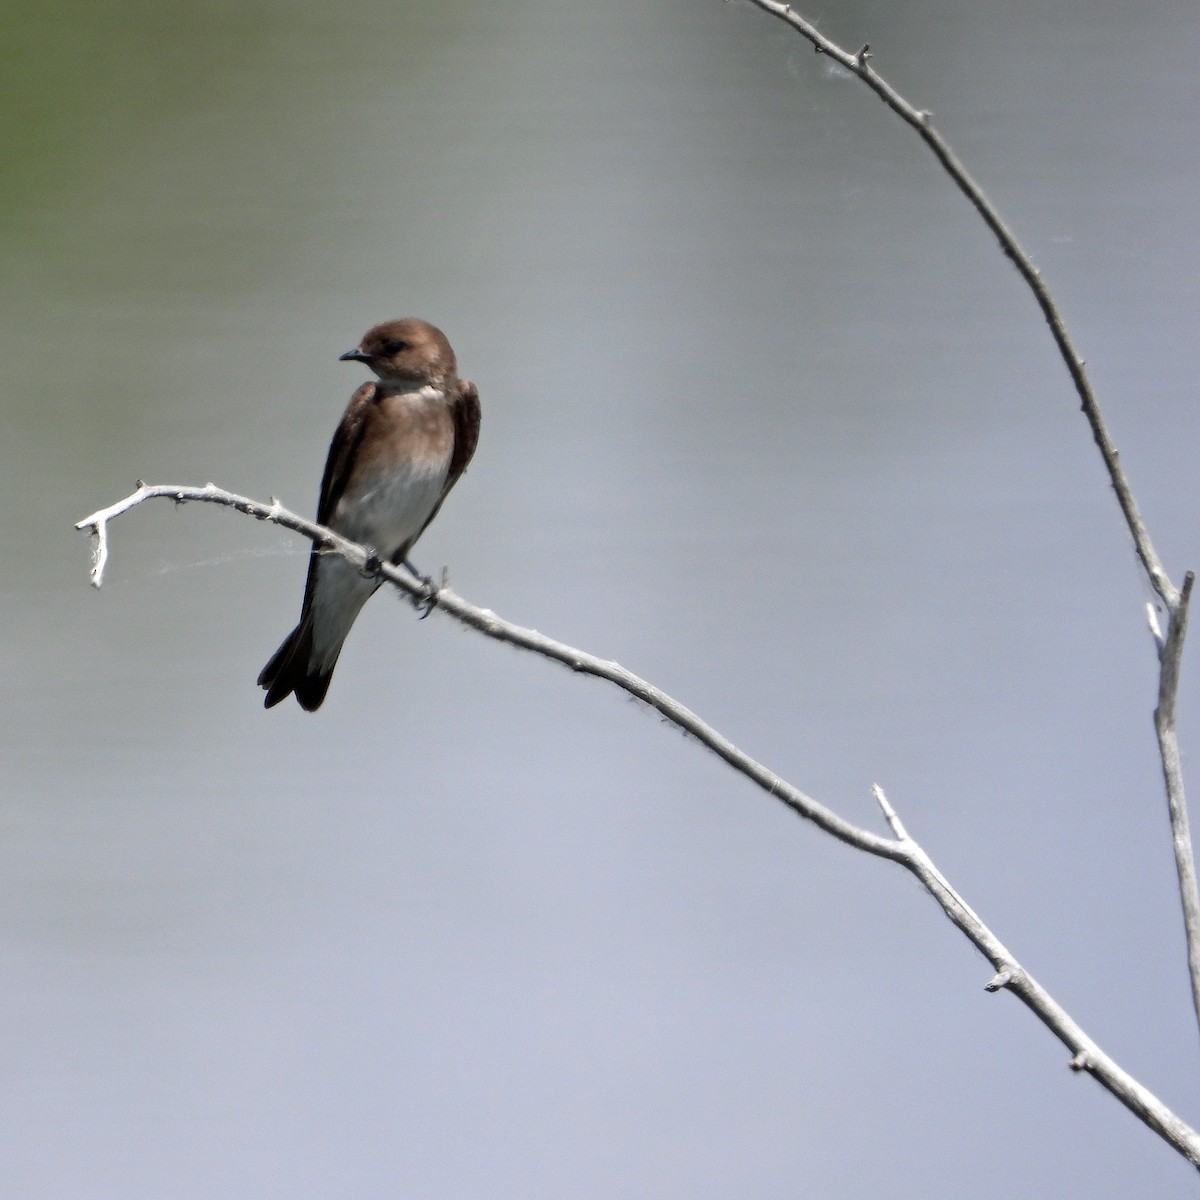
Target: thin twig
(922, 121)
(1172, 768)
(889, 813)
(1086, 1055)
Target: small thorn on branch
(1000, 980)
(864, 55)
(1083, 1061)
(889, 813)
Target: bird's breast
(390, 506)
(399, 471)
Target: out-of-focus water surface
(768, 420)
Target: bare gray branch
(903, 849)
(922, 121)
(1170, 648)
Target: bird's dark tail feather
(288, 672)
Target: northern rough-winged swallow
(401, 446)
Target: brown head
(409, 352)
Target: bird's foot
(428, 601)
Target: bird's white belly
(385, 517)
(393, 510)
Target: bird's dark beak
(355, 355)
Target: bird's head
(408, 352)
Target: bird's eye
(395, 346)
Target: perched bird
(402, 444)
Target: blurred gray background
(769, 420)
